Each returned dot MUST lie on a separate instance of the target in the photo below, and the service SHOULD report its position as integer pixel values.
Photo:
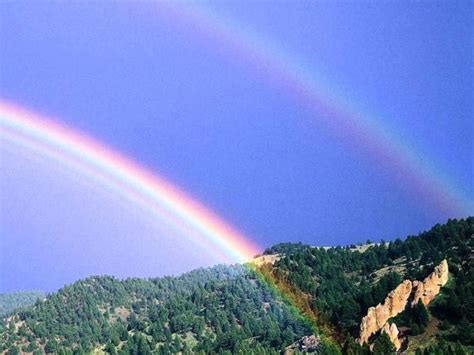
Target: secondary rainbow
(135, 183)
(330, 108)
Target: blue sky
(188, 108)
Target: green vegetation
(205, 310)
(232, 309)
(383, 346)
(416, 319)
(343, 283)
(11, 301)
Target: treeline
(12, 301)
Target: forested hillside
(14, 300)
(204, 311)
(344, 283)
(263, 309)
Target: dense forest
(204, 311)
(265, 309)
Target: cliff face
(396, 301)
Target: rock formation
(396, 301)
(265, 259)
(378, 316)
(308, 343)
(392, 331)
(429, 288)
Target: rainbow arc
(329, 109)
(128, 179)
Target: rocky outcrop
(378, 316)
(396, 302)
(429, 288)
(265, 259)
(392, 331)
(307, 344)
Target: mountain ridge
(269, 307)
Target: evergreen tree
(383, 345)
(51, 346)
(420, 315)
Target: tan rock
(431, 285)
(378, 316)
(265, 259)
(396, 301)
(392, 331)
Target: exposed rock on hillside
(306, 344)
(429, 288)
(265, 259)
(392, 331)
(378, 316)
(396, 301)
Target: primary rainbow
(139, 186)
(125, 177)
(331, 109)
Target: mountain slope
(344, 283)
(11, 301)
(304, 298)
(207, 310)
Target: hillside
(293, 298)
(11, 301)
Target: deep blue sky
(189, 109)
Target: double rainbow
(168, 203)
(165, 201)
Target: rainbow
(166, 202)
(414, 172)
(128, 179)
(142, 188)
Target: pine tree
(383, 346)
(420, 314)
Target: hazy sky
(149, 82)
